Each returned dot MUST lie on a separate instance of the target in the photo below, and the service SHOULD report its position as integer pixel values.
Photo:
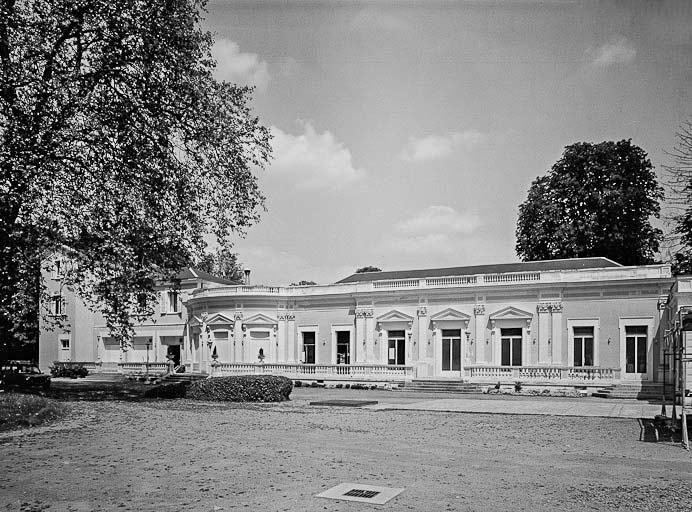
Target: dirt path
(181, 455)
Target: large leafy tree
(597, 200)
(679, 200)
(118, 148)
(222, 263)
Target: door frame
(648, 322)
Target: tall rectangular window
(57, 305)
(173, 302)
(635, 348)
(451, 350)
(309, 347)
(343, 347)
(583, 346)
(511, 346)
(396, 353)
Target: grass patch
(18, 410)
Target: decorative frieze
(364, 313)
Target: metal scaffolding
(677, 359)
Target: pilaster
(422, 332)
(545, 327)
(479, 333)
(291, 336)
(556, 333)
(282, 352)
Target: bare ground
(187, 455)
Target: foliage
(222, 263)
(595, 201)
(19, 410)
(244, 388)
(304, 283)
(68, 370)
(678, 181)
(167, 390)
(368, 269)
(119, 149)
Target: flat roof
(497, 268)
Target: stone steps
(441, 386)
(183, 377)
(643, 391)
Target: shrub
(167, 390)
(298, 383)
(243, 388)
(18, 410)
(517, 386)
(67, 369)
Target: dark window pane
(310, 354)
(309, 337)
(641, 354)
(629, 354)
(445, 354)
(577, 352)
(635, 329)
(511, 332)
(400, 353)
(583, 331)
(588, 352)
(505, 352)
(456, 355)
(343, 336)
(451, 333)
(395, 334)
(516, 351)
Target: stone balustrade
(542, 373)
(143, 367)
(318, 371)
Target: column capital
(479, 309)
(364, 313)
(422, 311)
(238, 315)
(543, 307)
(556, 307)
(662, 303)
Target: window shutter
(180, 303)
(162, 303)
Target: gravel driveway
(186, 455)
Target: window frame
(595, 323)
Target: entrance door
(397, 347)
(636, 351)
(174, 353)
(451, 352)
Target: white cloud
(439, 219)
(617, 50)
(436, 229)
(238, 67)
(434, 147)
(314, 160)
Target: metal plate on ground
(361, 492)
(345, 403)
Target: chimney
(247, 276)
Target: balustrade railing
(544, 373)
(315, 371)
(142, 367)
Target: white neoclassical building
(578, 321)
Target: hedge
(67, 369)
(167, 390)
(243, 388)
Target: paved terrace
(490, 404)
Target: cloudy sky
(406, 134)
